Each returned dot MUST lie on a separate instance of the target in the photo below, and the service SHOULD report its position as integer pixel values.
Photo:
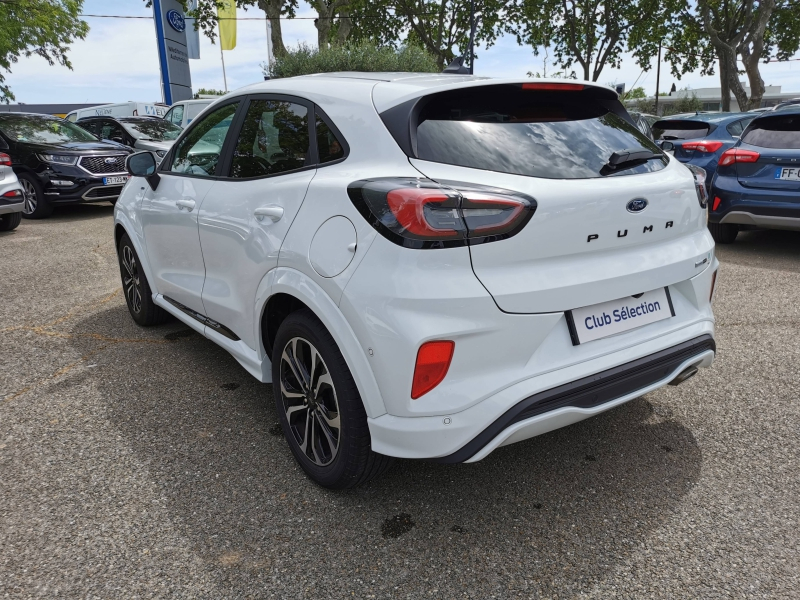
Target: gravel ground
(145, 463)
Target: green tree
(636, 93)
(592, 34)
(728, 30)
(363, 56)
(43, 28)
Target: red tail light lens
(554, 87)
(717, 201)
(738, 155)
(13, 194)
(433, 362)
(420, 213)
(5, 159)
(702, 146)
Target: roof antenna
(457, 66)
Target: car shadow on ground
(765, 248)
(76, 212)
(544, 516)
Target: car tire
(10, 221)
(314, 392)
(35, 206)
(136, 288)
(723, 233)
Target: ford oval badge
(176, 21)
(637, 205)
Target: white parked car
(424, 266)
(121, 109)
(182, 113)
(12, 200)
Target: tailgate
(768, 156)
(583, 246)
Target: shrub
(305, 60)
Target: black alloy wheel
(319, 406)
(138, 295)
(34, 206)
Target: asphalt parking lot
(145, 463)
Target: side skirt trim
(200, 318)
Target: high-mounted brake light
(703, 146)
(738, 155)
(433, 362)
(5, 159)
(554, 87)
(420, 213)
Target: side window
(328, 146)
(736, 128)
(198, 152)
(111, 130)
(177, 115)
(274, 139)
(90, 126)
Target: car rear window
(548, 134)
(774, 132)
(680, 130)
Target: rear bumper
(10, 208)
(772, 209)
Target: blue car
(758, 180)
(701, 139)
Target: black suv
(58, 162)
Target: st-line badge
(609, 318)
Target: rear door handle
(187, 204)
(273, 212)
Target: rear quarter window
(547, 134)
(774, 132)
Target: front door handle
(273, 212)
(187, 204)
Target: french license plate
(115, 180)
(788, 173)
(613, 317)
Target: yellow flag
(227, 24)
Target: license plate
(115, 180)
(610, 318)
(788, 173)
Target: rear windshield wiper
(625, 159)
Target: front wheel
(35, 205)
(319, 407)
(136, 288)
(723, 233)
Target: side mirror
(117, 139)
(143, 164)
(667, 146)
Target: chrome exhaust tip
(687, 373)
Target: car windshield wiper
(625, 159)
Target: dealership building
(711, 97)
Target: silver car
(11, 197)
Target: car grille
(104, 192)
(99, 164)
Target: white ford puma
(424, 266)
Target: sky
(118, 61)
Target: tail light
(717, 202)
(700, 178)
(738, 155)
(703, 146)
(421, 213)
(5, 159)
(433, 362)
(13, 194)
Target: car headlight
(700, 178)
(58, 159)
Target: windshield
(157, 130)
(551, 135)
(41, 129)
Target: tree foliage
(43, 28)
(306, 60)
(592, 34)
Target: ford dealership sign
(176, 20)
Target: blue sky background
(118, 61)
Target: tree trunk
(345, 27)
(751, 49)
(273, 8)
(725, 89)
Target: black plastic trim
(200, 318)
(589, 392)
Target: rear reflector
(433, 361)
(13, 194)
(716, 204)
(705, 146)
(5, 159)
(554, 87)
(738, 155)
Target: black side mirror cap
(143, 164)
